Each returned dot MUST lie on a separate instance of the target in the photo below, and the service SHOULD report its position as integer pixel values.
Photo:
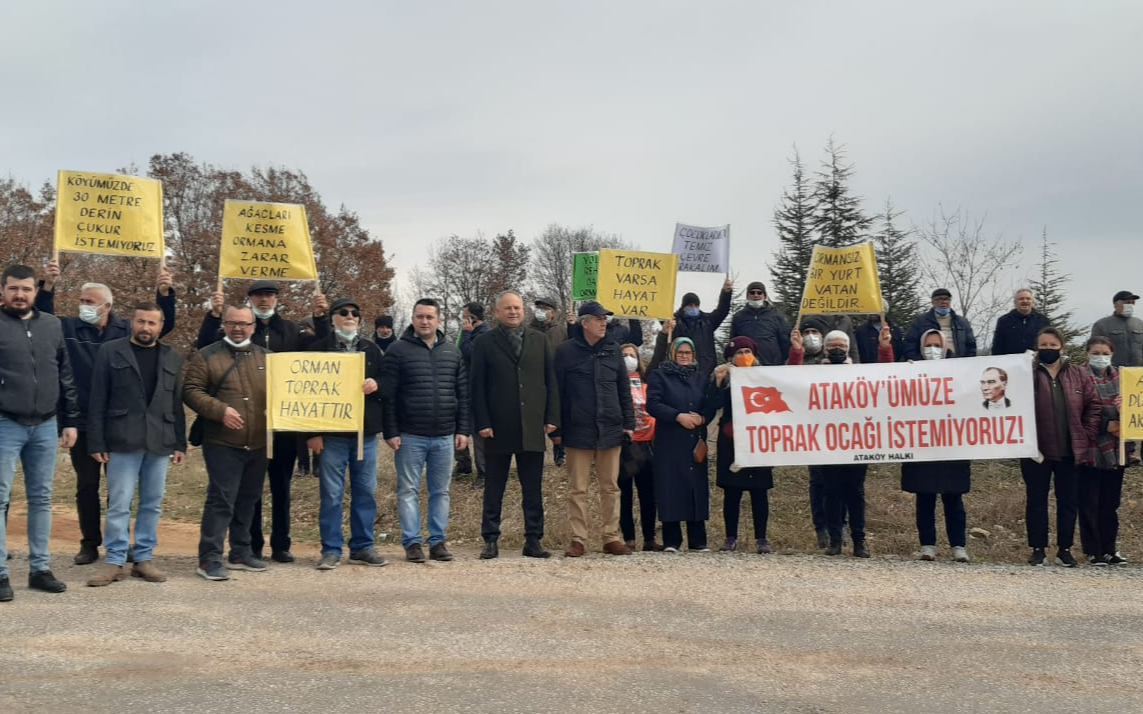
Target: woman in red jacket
(635, 471)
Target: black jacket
(767, 328)
(749, 478)
(1016, 333)
(275, 335)
(936, 477)
(619, 331)
(963, 339)
(514, 396)
(868, 337)
(468, 339)
(424, 391)
(384, 342)
(119, 417)
(682, 487)
(36, 381)
(374, 410)
(595, 395)
(701, 331)
(84, 340)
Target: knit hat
(738, 343)
(756, 286)
(690, 299)
(383, 321)
(815, 323)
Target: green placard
(585, 268)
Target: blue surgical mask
(942, 311)
(691, 312)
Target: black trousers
(759, 509)
(87, 503)
(636, 471)
(303, 456)
(1099, 492)
(955, 519)
(844, 493)
(234, 482)
(1037, 480)
(530, 470)
(673, 534)
(817, 501)
(280, 471)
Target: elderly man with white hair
(84, 335)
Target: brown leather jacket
(244, 390)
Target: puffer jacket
(36, 382)
(424, 390)
(701, 331)
(244, 390)
(595, 395)
(768, 329)
(1085, 411)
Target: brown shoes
(575, 550)
(148, 572)
(616, 547)
(107, 575)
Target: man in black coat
(699, 326)
(763, 324)
(273, 333)
(472, 326)
(383, 335)
(515, 401)
(339, 451)
(868, 337)
(596, 415)
(135, 423)
(959, 338)
(1016, 331)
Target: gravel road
(644, 633)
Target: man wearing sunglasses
(273, 333)
(761, 322)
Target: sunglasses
(238, 324)
(345, 312)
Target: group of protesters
(108, 389)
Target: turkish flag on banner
(763, 399)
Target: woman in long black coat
(677, 398)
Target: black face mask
(1048, 356)
(836, 356)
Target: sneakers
(414, 553)
(282, 556)
(6, 593)
(369, 556)
(701, 549)
(1098, 560)
(107, 574)
(44, 580)
(928, 552)
(147, 571)
(1037, 557)
(247, 562)
(670, 549)
(959, 554)
(329, 561)
(1116, 559)
(729, 545)
(860, 550)
(763, 546)
(87, 555)
(440, 552)
(212, 571)
(1065, 558)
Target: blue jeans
(433, 455)
(35, 448)
(339, 454)
(124, 471)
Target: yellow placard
(110, 214)
(842, 280)
(266, 241)
(631, 283)
(315, 391)
(1131, 413)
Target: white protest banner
(866, 413)
(702, 250)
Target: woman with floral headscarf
(677, 398)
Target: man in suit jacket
(516, 404)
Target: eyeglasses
(344, 312)
(237, 324)
(684, 353)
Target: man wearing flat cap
(273, 333)
(959, 339)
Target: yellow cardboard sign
(315, 391)
(1131, 413)
(109, 214)
(266, 241)
(631, 283)
(842, 280)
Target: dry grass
(995, 504)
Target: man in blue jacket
(1016, 331)
(941, 317)
(84, 334)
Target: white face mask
(933, 352)
(345, 336)
(541, 314)
(631, 362)
(812, 343)
(1128, 309)
(756, 304)
(263, 314)
(610, 319)
(89, 314)
(237, 345)
(1100, 362)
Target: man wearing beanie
(383, 335)
(699, 326)
(764, 325)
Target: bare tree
(978, 269)
(551, 262)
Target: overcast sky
(434, 118)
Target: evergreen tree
(898, 267)
(837, 217)
(1048, 288)
(793, 220)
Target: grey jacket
(36, 382)
(119, 418)
(1126, 334)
